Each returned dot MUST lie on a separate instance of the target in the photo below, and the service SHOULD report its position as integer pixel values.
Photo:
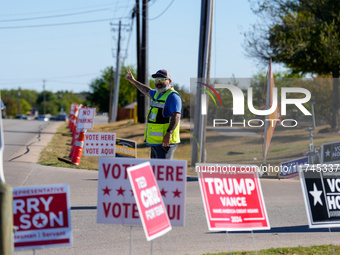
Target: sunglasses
(161, 79)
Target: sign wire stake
(130, 248)
(229, 243)
(151, 242)
(330, 235)
(253, 237)
(170, 241)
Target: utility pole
(116, 88)
(142, 58)
(111, 95)
(44, 97)
(203, 75)
(6, 205)
(18, 104)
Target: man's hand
(166, 140)
(130, 77)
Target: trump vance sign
(232, 197)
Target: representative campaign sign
(289, 169)
(232, 197)
(149, 201)
(86, 118)
(116, 202)
(331, 152)
(100, 144)
(126, 148)
(321, 189)
(41, 216)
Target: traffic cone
(74, 137)
(78, 148)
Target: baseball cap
(162, 74)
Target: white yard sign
(86, 118)
(116, 202)
(100, 144)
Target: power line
(55, 16)
(162, 11)
(62, 24)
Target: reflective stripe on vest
(157, 125)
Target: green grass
(287, 144)
(312, 250)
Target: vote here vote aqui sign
(41, 217)
(149, 201)
(320, 185)
(86, 118)
(331, 152)
(232, 197)
(116, 202)
(100, 144)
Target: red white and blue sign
(289, 169)
(151, 208)
(41, 216)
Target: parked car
(20, 116)
(42, 117)
(3, 110)
(61, 117)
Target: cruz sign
(149, 201)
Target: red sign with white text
(149, 201)
(41, 216)
(86, 118)
(116, 203)
(232, 197)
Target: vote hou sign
(116, 203)
(100, 144)
(149, 201)
(232, 197)
(41, 217)
(86, 118)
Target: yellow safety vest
(157, 125)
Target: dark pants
(163, 152)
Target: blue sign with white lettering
(331, 152)
(289, 169)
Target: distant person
(164, 114)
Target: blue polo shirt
(172, 104)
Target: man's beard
(163, 89)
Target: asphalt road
(289, 226)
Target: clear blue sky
(70, 56)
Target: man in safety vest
(163, 119)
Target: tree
(99, 95)
(302, 34)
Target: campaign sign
(126, 148)
(331, 152)
(116, 203)
(321, 190)
(149, 201)
(232, 197)
(100, 144)
(289, 169)
(86, 118)
(41, 216)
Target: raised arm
(140, 86)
